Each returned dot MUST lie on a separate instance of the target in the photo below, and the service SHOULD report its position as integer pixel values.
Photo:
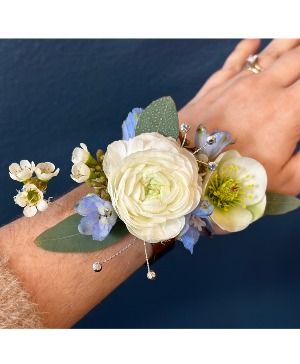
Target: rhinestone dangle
(185, 128)
(151, 274)
(97, 266)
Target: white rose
(153, 184)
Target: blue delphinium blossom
(129, 125)
(220, 139)
(99, 216)
(194, 222)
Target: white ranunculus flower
(32, 199)
(153, 184)
(45, 171)
(80, 154)
(80, 172)
(21, 172)
(237, 190)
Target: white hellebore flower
(45, 171)
(152, 183)
(21, 172)
(32, 199)
(80, 172)
(80, 154)
(237, 189)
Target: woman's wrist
(64, 286)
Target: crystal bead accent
(211, 140)
(185, 128)
(97, 267)
(212, 166)
(151, 275)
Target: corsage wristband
(153, 185)
(160, 249)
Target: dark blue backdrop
(55, 94)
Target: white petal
(42, 205)
(80, 155)
(250, 172)
(258, 209)
(84, 147)
(157, 232)
(56, 172)
(235, 219)
(25, 164)
(12, 176)
(14, 168)
(79, 179)
(20, 199)
(223, 157)
(30, 211)
(24, 175)
(31, 187)
(47, 166)
(38, 172)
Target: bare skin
(261, 110)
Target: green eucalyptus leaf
(278, 204)
(65, 238)
(161, 117)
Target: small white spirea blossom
(32, 199)
(80, 154)
(21, 172)
(45, 171)
(80, 172)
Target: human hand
(261, 110)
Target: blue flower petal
(86, 204)
(223, 138)
(87, 223)
(204, 209)
(93, 202)
(80, 208)
(129, 125)
(100, 231)
(190, 238)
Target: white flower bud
(80, 154)
(80, 172)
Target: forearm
(64, 286)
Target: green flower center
(33, 197)
(225, 192)
(152, 189)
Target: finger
(237, 58)
(292, 172)
(275, 50)
(232, 65)
(286, 70)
